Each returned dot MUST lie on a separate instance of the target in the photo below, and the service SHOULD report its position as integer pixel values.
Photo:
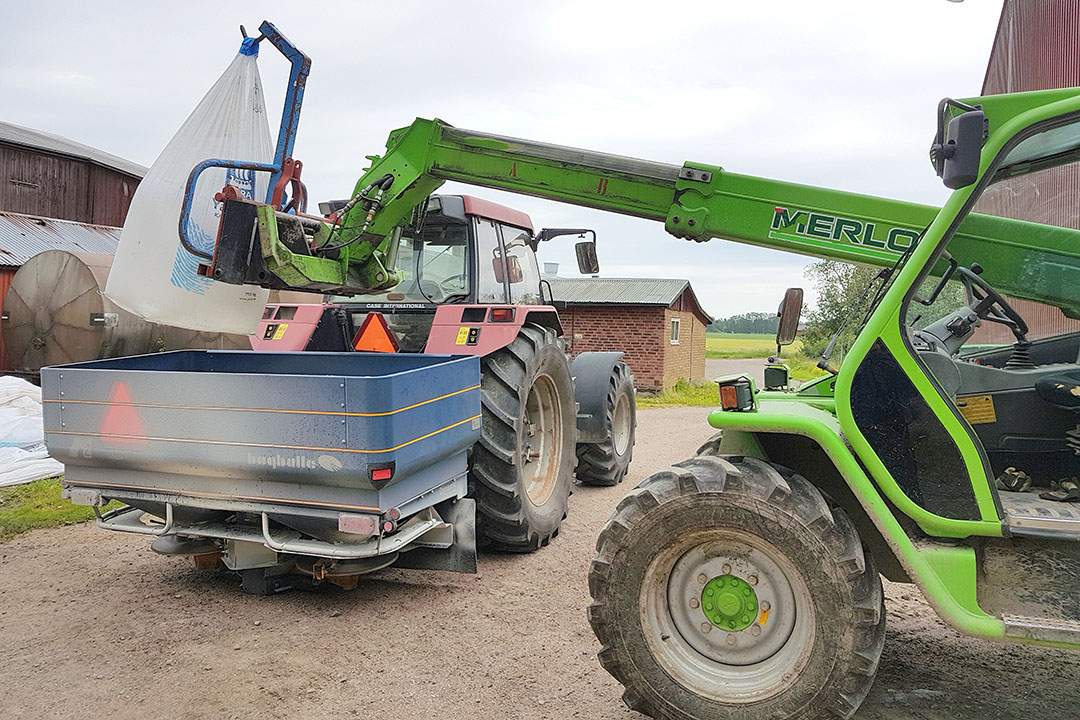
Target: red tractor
(472, 286)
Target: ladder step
(1046, 629)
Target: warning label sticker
(977, 409)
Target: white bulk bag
(153, 275)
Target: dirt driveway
(94, 625)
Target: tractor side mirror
(957, 149)
(788, 312)
(587, 262)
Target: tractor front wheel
(606, 462)
(724, 589)
(522, 468)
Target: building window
(675, 331)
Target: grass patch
(684, 393)
(744, 345)
(38, 505)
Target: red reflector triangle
(120, 424)
(374, 335)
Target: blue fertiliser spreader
(327, 455)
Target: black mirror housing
(957, 149)
(587, 262)
(789, 311)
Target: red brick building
(658, 323)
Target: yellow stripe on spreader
(226, 496)
(265, 410)
(262, 445)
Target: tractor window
(523, 275)
(491, 278)
(435, 265)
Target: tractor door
(968, 368)
(522, 271)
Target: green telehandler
(745, 582)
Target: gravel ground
(92, 624)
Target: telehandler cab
(745, 582)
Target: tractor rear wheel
(605, 463)
(521, 470)
(724, 589)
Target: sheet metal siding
(6, 273)
(23, 236)
(1037, 47)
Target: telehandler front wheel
(522, 469)
(722, 588)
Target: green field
(744, 345)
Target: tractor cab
(460, 250)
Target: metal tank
(56, 311)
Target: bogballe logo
(820, 226)
(281, 461)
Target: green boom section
(702, 202)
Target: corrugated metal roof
(616, 291)
(19, 135)
(23, 236)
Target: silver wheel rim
(729, 667)
(620, 425)
(541, 456)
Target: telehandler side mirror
(957, 148)
(587, 262)
(788, 312)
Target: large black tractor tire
(521, 471)
(796, 617)
(605, 463)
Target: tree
(751, 322)
(840, 287)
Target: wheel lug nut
(755, 630)
(706, 627)
(731, 639)
(765, 606)
(702, 579)
(752, 579)
(726, 569)
(694, 603)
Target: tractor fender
(592, 376)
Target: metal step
(1051, 630)
(1028, 514)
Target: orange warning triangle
(120, 424)
(374, 335)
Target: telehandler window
(995, 338)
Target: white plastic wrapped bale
(23, 457)
(153, 275)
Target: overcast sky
(840, 94)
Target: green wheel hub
(729, 603)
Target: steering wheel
(989, 304)
(452, 285)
